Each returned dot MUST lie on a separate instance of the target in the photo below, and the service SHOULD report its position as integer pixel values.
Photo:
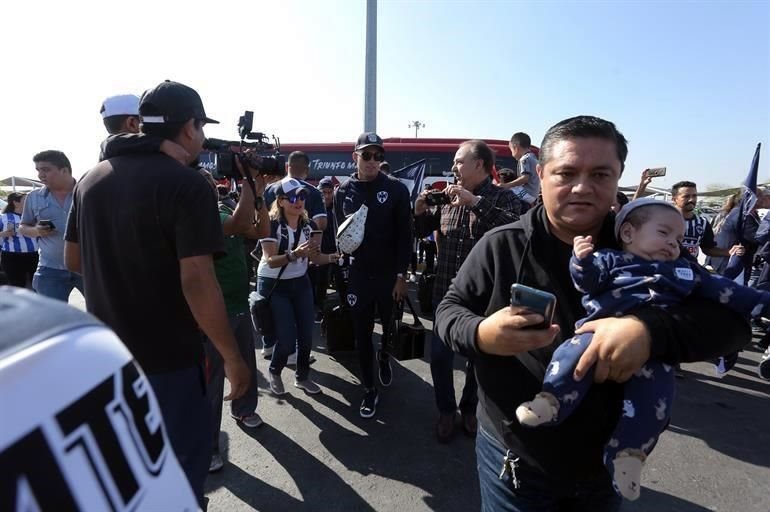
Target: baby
(649, 270)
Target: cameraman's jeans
(442, 370)
(293, 314)
(246, 405)
(55, 283)
(535, 492)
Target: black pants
(430, 255)
(365, 292)
(19, 267)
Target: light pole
(370, 73)
(416, 125)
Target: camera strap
(253, 187)
(297, 234)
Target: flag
(748, 199)
(412, 177)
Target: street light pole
(417, 125)
(370, 73)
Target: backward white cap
(620, 218)
(120, 105)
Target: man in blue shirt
(45, 218)
(298, 167)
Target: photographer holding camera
(238, 223)
(144, 229)
(468, 209)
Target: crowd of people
(146, 234)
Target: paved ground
(317, 454)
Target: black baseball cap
(172, 102)
(367, 139)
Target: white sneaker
(267, 352)
(250, 421)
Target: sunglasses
(293, 198)
(378, 157)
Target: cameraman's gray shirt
(528, 167)
(42, 205)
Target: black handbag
(261, 311)
(337, 327)
(405, 341)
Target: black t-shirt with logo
(698, 234)
(135, 217)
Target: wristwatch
(290, 256)
(400, 276)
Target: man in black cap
(379, 264)
(143, 230)
(328, 245)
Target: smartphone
(47, 223)
(316, 234)
(656, 171)
(536, 301)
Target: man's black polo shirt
(135, 217)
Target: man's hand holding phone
(45, 228)
(526, 325)
(509, 331)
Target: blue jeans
(293, 314)
(55, 283)
(441, 369)
(535, 493)
(186, 412)
(246, 405)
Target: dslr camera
(254, 150)
(437, 198)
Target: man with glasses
(378, 266)
(477, 205)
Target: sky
(688, 83)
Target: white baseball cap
(121, 105)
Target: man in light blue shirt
(45, 218)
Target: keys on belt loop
(510, 463)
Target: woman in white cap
(282, 278)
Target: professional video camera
(254, 150)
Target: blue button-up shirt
(42, 205)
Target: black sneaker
(386, 371)
(369, 404)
